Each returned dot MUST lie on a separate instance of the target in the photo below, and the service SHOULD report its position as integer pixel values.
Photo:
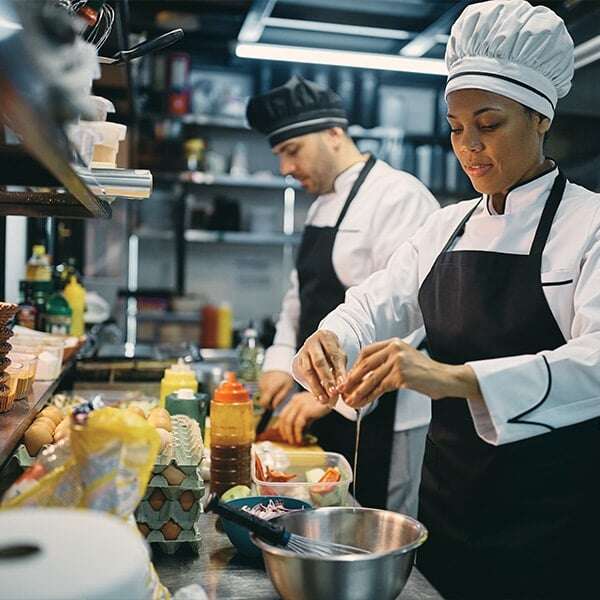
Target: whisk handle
(269, 532)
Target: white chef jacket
(388, 209)
(386, 305)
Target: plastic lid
(39, 249)
(231, 390)
(185, 394)
(179, 367)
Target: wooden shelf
(14, 423)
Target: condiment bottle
(177, 377)
(58, 315)
(208, 338)
(231, 435)
(224, 326)
(74, 293)
(186, 402)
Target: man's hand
(298, 414)
(274, 386)
(322, 364)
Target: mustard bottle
(74, 294)
(177, 377)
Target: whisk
(97, 33)
(277, 535)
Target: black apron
(516, 521)
(320, 292)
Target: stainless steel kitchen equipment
(391, 537)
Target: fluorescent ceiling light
(341, 58)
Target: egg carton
(170, 510)
(174, 475)
(186, 447)
(23, 458)
(188, 539)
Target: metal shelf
(203, 236)
(222, 122)
(25, 98)
(241, 237)
(210, 179)
(167, 317)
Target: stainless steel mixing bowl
(391, 537)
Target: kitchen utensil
(240, 536)
(142, 49)
(264, 421)
(391, 538)
(277, 535)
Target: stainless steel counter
(226, 575)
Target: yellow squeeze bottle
(74, 293)
(177, 377)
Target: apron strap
(357, 185)
(548, 214)
(460, 229)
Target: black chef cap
(296, 108)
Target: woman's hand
(298, 414)
(393, 364)
(321, 362)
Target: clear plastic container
(27, 374)
(17, 380)
(299, 463)
(50, 359)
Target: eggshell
(187, 500)
(46, 422)
(160, 422)
(36, 437)
(173, 475)
(137, 410)
(171, 530)
(144, 529)
(159, 410)
(157, 499)
(165, 438)
(53, 413)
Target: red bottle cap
(231, 390)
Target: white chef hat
(513, 49)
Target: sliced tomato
(279, 476)
(260, 470)
(331, 475)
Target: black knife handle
(160, 43)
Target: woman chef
(508, 288)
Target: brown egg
(160, 422)
(187, 500)
(159, 410)
(46, 422)
(165, 438)
(62, 431)
(157, 499)
(173, 475)
(53, 413)
(144, 529)
(36, 437)
(137, 410)
(171, 530)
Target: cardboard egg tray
(189, 539)
(186, 448)
(171, 509)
